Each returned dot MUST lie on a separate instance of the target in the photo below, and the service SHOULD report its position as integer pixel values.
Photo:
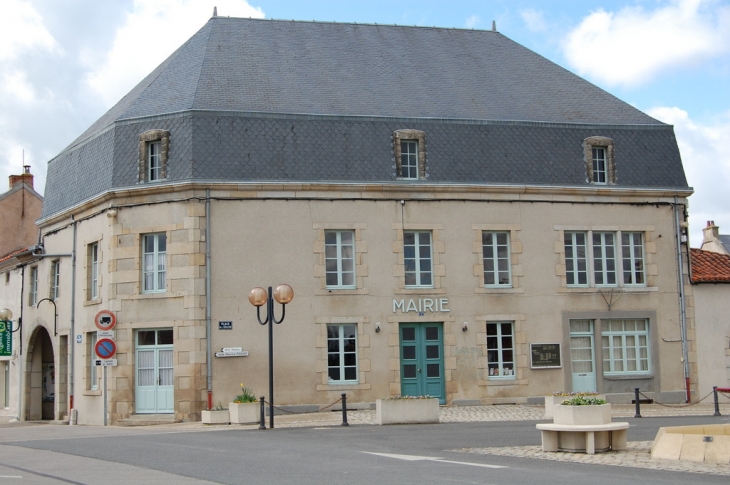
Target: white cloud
(15, 84)
(707, 164)
(22, 29)
(472, 21)
(633, 45)
(534, 20)
(151, 32)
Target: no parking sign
(105, 348)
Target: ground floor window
(625, 346)
(501, 350)
(93, 374)
(342, 353)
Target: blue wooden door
(422, 360)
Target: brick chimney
(26, 178)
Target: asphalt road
(416, 454)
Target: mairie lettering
(421, 305)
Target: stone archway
(40, 377)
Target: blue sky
(63, 63)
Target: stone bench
(583, 437)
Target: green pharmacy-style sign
(6, 339)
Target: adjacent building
(457, 216)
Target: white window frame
(492, 263)
(154, 160)
(55, 278)
(409, 159)
(421, 278)
(604, 257)
(616, 345)
(504, 369)
(93, 371)
(633, 258)
(93, 271)
(33, 290)
(599, 157)
(340, 349)
(154, 264)
(340, 259)
(576, 258)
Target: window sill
(342, 291)
(93, 302)
(419, 291)
(598, 289)
(88, 392)
(627, 377)
(501, 381)
(343, 387)
(142, 296)
(497, 290)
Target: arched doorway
(40, 377)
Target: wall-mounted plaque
(545, 356)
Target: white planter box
(552, 401)
(243, 413)
(406, 411)
(582, 415)
(216, 417)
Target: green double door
(422, 360)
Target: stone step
(148, 420)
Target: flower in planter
(219, 407)
(583, 401)
(246, 395)
(411, 397)
(582, 393)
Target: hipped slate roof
(709, 266)
(258, 100)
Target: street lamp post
(258, 297)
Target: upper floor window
(92, 257)
(409, 147)
(33, 290)
(339, 254)
(599, 165)
(154, 146)
(418, 258)
(602, 268)
(55, 276)
(154, 272)
(598, 153)
(496, 255)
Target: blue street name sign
(225, 325)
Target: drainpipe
(207, 299)
(682, 309)
(72, 333)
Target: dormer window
(409, 147)
(154, 146)
(598, 155)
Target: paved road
(359, 454)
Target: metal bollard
(344, 410)
(638, 404)
(717, 404)
(262, 417)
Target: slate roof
(709, 266)
(267, 100)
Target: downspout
(72, 332)
(20, 346)
(207, 300)
(682, 309)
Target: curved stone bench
(583, 437)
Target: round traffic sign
(105, 348)
(105, 320)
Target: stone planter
(406, 411)
(216, 417)
(582, 415)
(244, 413)
(552, 401)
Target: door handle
(419, 370)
